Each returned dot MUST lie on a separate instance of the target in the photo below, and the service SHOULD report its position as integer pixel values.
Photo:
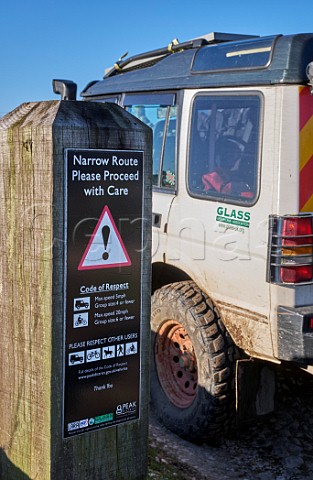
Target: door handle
(156, 219)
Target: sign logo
(105, 248)
(126, 408)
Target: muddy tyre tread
(208, 418)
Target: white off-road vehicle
(232, 120)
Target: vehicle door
(159, 111)
(217, 230)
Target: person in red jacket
(229, 176)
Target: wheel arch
(164, 274)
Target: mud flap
(255, 390)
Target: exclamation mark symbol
(105, 237)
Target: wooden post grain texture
(32, 142)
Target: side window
(223, 156)
(108, 100)
(159, 113)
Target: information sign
(104, 221)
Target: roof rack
(218, 37)
(153, 56)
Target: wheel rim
(176, 363)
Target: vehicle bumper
(295, 337)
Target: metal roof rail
(151, 57)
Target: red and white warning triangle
(105, 248)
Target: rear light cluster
(309, 322)
(290, 249)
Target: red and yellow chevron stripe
(305, 150)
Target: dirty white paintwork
(230, 265)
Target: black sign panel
(103, 218)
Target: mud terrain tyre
(192, 366)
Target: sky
(45, 39)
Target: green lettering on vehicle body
(233, 216)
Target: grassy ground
(161, 466)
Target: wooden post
(41, 388)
